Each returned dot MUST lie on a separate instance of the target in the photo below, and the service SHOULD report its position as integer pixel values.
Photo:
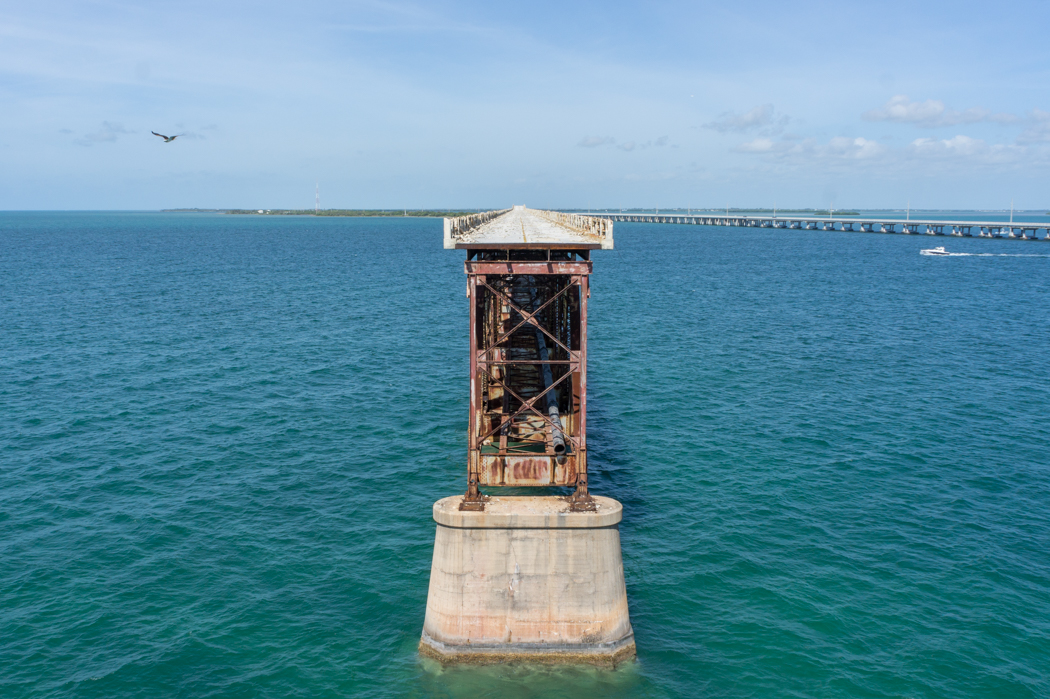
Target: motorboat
(935, 251)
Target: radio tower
(317, 197)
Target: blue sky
(552, 104)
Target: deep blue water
(220, 438)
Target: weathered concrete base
(603, 655)
(527, 580)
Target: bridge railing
(600, 228)
(461, 226)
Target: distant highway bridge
(1024, 230)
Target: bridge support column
(527, 580)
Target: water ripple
(220, 438)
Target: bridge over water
(1024, 230)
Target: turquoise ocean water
(220, 439)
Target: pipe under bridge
(967, 229)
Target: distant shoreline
(422, 213)
(443, 213)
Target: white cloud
(932, 113)
(759, 117)
(900, 108)
(595, 141)
(107, 133)
(974, 151)
(1038, 130)
(759, 145)
(837, 149)
(859, 148)
(959, 153)
(631, 145)
(957, 145)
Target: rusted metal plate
(513, 267)
(526, 471)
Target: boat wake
(942, 253)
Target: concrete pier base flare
(528, 581)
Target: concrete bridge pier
(531, 578)
(527, 580)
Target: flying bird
(167, 139)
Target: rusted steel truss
(528, 371)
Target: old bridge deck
(521, 227)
